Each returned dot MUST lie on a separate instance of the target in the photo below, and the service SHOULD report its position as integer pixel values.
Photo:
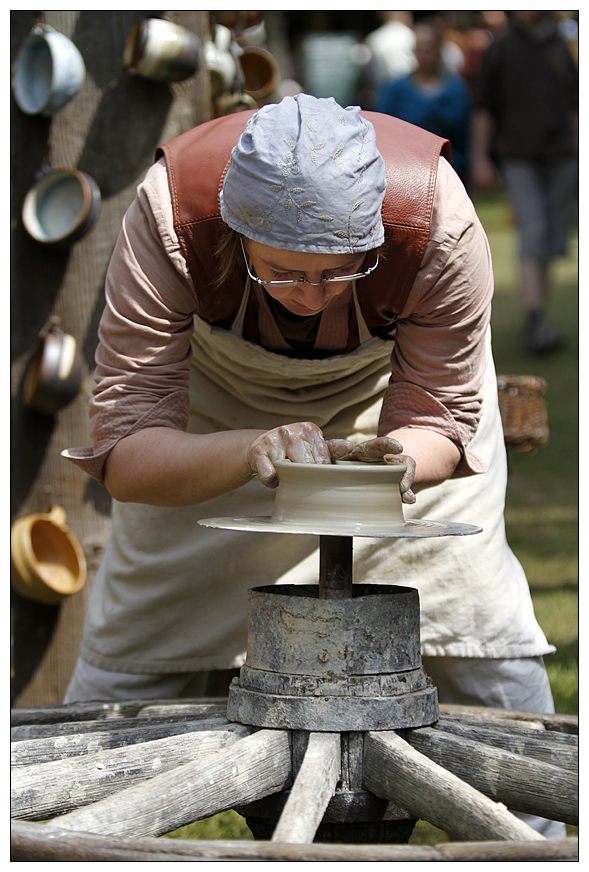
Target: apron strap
(364, 334)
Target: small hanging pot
(220, 61)
(61, 207)
(55, 372)
(261, 72)
(47, 563)
(49, 71)
(162, 50)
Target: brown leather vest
(197, 162)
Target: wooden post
(109, 130)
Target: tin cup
(49, 71)
(55, 372)
(61, 207)
(162, 50)
(261, 72)
(47, 563)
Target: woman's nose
(313, 296)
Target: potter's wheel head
(347, 498)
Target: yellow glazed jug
(47, 563)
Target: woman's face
(280, 264)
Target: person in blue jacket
(433, 96)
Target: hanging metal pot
(49, 71)
(162, 50)
(61, 207)
(55, 372)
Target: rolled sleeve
(439, 358)
(143, 355)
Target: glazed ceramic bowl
(49, 71)
(47, 563)
(61, 207)
(54, 374)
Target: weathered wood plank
(32, 751)
(252, 768)
(559, 723)
(49, 789)
(396, 771)
(35, 842)
(559, 749)
(90, 711)
(524, 785)
(40, 731)
(533, 729)
(314, 786)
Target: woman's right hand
(301, 442)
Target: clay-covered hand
(302, 442)
(388, 449)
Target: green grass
(542, 501)
(541, 512)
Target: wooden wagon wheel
(106, 778)
(332, 724)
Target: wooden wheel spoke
(43, 790)
(314, 786)
(522, 783)
(396, 771)
(250, 769)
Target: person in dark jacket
(525, 130)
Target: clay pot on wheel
(47, 563)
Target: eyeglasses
(302, 280)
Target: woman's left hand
(387, 449)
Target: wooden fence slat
(34, 842)
(49, 789)
(396, 771)
(256, 766)
(314, 786)
(528, 786)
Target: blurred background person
(433, 96)
(391, 49)
(525, 133)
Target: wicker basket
(523, 412)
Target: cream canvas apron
(170, 595)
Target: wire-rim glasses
(302, 280)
